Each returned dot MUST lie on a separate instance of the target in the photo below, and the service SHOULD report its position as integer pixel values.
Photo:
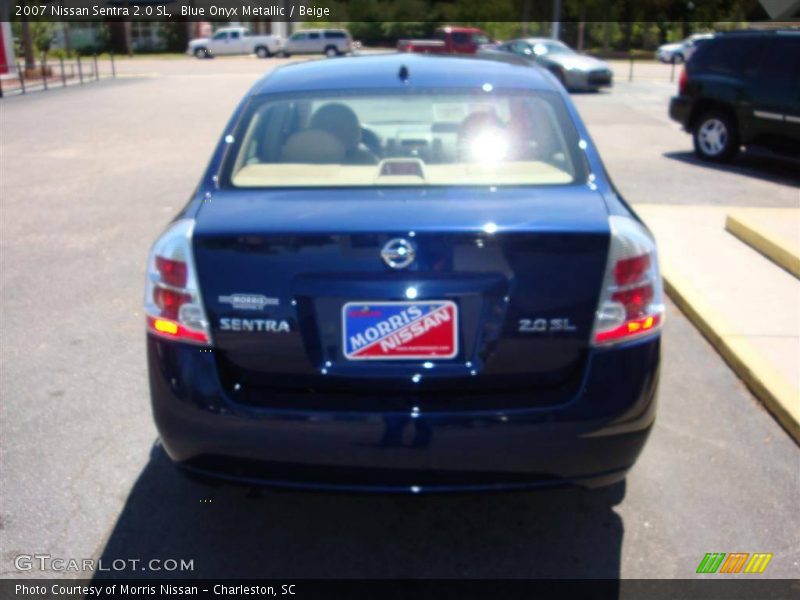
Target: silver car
(330, 42)
(574, 71)
(680, 52)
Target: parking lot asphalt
(89, 177)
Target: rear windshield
(411, 139)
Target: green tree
(175, 35)
(31, 38)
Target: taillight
(172, 272)
(682, 80)
(631, 302)
(172, 302)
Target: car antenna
(403, 74)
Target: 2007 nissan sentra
(405, 273)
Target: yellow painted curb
(762, 241)
(778, 395)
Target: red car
(448, 40)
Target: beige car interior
(330, 150)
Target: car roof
(743, 34)
(383, 72)
(757, 32)
(538, 40)
(458, 29)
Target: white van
(330, 42)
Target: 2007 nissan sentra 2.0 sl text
(405, 273)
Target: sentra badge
(268, 325)
(249, 301)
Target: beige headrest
(313, 146)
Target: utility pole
(526, 17)
(555, 31)
(126, 32)
(190, 28)
(67, 41)
(27, 44)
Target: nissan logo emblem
(398, 253)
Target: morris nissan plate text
(405, 273)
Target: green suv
(742, 88)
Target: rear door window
(522, 48)
(781, 62)
(738, 56)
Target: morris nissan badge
(405, 273)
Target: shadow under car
(228, 531)
(753, 162)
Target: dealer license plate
(410, 330)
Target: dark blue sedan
(405, 273)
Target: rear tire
(263, 52)
(677, 59)
(715, 137)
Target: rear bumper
(592, 439)
(680, 110)
(591, 80)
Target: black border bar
(340, 11)
(705, 588)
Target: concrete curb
(763, 242)
(771, 387)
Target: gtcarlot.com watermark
(46, 562)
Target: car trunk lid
(520, 267)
